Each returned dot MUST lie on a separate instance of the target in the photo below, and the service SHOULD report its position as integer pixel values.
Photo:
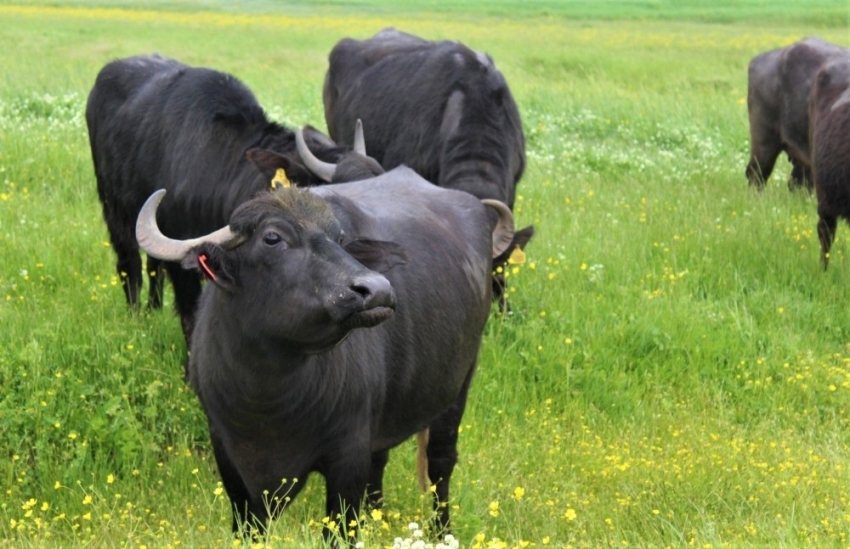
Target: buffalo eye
(272, 238)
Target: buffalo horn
(157, 245)
(503, 234)
(324, 170)
(359, 140)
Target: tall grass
(675, 371)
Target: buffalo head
(354, 166)
(285, 269)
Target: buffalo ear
(317, 139)
(377, 255)
(216, 265)
(268, 162)
(520, 240)
(522, 236)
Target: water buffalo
(829, 112)
(440, 108)
(156, 123)
(777, 103)
(288, 382)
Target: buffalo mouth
(368, 317)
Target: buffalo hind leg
(826, 234)
(442, 454)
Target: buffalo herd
(333, 289)
(302, 239)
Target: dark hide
(777, 102)
(830, 119)
(289, 388)
(439, 108)
(156, 123)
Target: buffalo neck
(261, 376)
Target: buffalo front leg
(233, 485)
(129, 267)
(826, 234)
(762, 159)
(187, 289)
(346, 480)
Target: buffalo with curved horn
(289, 381)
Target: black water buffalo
(829, 112)
(440, 108)
(777, 101)
(156, 123)
(288, 383)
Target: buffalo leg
(122, 236)
(129, 267)
(801, 175)
(442, 454)
(375, 489)
(500, 290)
(187, 290)
(765, 147)
(761, 166)
(233, 485)
(346, 480)
(156, 281)
(826, 234)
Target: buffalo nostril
(362, 289)
(374, 291)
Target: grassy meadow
(676, 369)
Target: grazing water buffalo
(439, 108)
(777, 102)
(156, 123)
(288, 383)
(829, 111)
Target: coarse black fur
(287, 383)
(830, 128)
(199, 133)
(437, 107)
(780, 81)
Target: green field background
(676, 368)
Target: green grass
(676, 371)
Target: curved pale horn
(324, 170)
(503, 234)
(157, 245)
(359, 140)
